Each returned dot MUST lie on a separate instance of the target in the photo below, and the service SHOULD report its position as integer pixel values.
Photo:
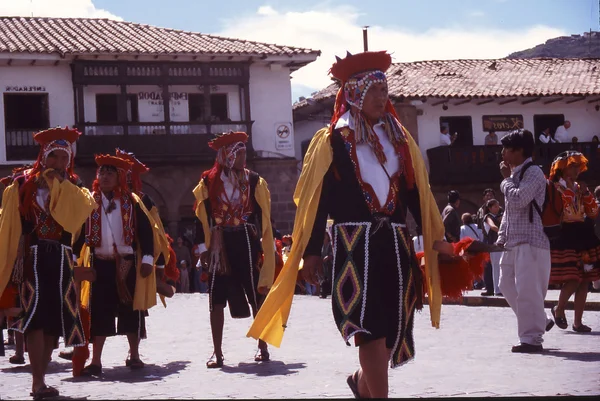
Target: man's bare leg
(373, 375)
(36, 347)
(134, 345)
(97, 351)
(217, 321)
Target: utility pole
(366, 38)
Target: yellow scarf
(272, 317)
(69, 206)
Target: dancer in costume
(43, 211)
(166, 266)
(576, 252)
(233, 207)
(119, 239)
(364, 171)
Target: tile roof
(486, 78)
(102, 36)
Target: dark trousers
(488, 278)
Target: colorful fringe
(457, 274)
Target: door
(463, 126)
(543, 121)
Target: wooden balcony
(455, 165)
(20, 145)
(186, 142)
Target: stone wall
(281, 176)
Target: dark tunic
(373, 291)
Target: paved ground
(469, 356)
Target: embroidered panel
(349, 283)
(233, 213)
(93, 236)
(46, 226)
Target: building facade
(472, 98)
(159, 93)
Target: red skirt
(9, 297)
(577, 246)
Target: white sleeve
(445, 140)
(544, 139)
(201, 248)
(486, 226)
(149, 259)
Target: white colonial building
(473, 97)
(160, 93)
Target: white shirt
(371, 171)
(445, 140)
(471, 231)
(112, 233)
(42, 196)
(229, 189)
(546, 138)
(418, 243)
(561, 134)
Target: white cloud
(53, 8)
(333, 30)
(476, 13)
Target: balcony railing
(98, 129)
(149, 141)
(480, 164)
(20, 145)
(187, 142)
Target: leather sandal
(215, 361)
(561, 321)
(66, 355)
(582, 328)
(17, 360)
(45, 392)
(134, 363)
(262, 356)
(92, 370)
(352, 381)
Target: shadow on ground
(124, 374)
(53, 367)
(271, 368)
(573, 356)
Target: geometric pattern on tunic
(406, 349)
(348, 291)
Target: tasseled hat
(227, 138)
(566, 159)
(56, 139)
(122, 166)
(138, 168)
(344, 69)
(117, 162)
(356, 73)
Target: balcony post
(122, 104)
(166, 98)
(207, 108)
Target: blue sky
(410, 30)
(574, 16)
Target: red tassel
(171, 270)
(81, 354)
(457, 275)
